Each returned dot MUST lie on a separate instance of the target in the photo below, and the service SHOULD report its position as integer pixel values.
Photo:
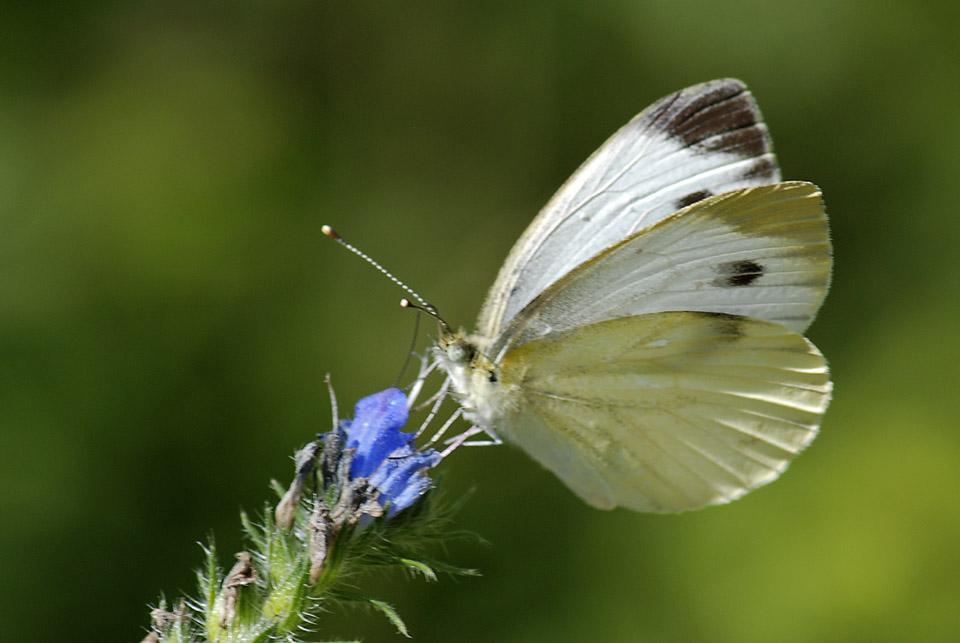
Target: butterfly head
(454, 352)
(474, 377)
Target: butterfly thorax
(474, 377)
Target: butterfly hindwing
(665, 412)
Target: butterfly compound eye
(460, 352)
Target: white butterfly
(642, 340)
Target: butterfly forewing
(701, 141)
(665, 412)
(760, 252)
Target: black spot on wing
(722, 119)
(692, 198)
(734, 274)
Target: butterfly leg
(463, 440)
(437, 400)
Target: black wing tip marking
(764, 168)
(718, 116)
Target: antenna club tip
(405, 303)
(330, 232)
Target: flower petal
(375, 432)
(401, 479)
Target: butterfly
(643, 340)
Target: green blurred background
(168, 307)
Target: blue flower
(383, 453)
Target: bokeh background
(168, 307)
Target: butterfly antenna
(430, 310)
(423, 306)
(330, 232)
